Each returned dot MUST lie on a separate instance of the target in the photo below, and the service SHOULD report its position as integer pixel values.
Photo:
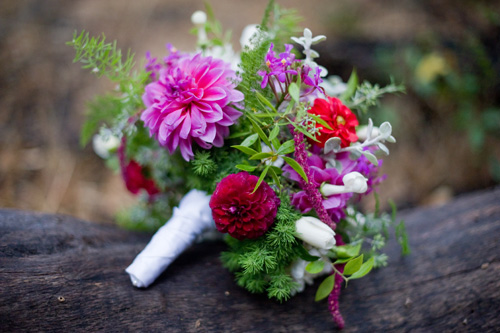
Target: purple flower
(191, 101)
(279, 67)
(152, 66)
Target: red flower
(133, 174)
(238, 211)
(338, 117)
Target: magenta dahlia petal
(192, 101)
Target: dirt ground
(43, 94)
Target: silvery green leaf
(370, 129)
(385, 130)
(313, 54)
(370, 157)
(332, 145)
(391, 139)
(297, 40)
(308, 34)
(318, 39)
(383, 148)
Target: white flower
(248, 32)
(353, 182)
(314, 232)
(104, 144)
(199, 17)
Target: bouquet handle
(188, 221)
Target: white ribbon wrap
(188, 221)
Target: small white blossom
(353, 182)
(104, 144)
(314, 232)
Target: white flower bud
(314, 232)
(104, 145)
(353, 182)
(199, 17)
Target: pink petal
(214, 115)
(186, 149)
(197, 120)
(214, 94)
(210, 78)
(209, 133)
(186, 127)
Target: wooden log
(58, 273)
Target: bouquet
(270, 149)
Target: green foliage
(203, 165)
(105, 59)
(260, 264)
(367, 95)
(101, 57)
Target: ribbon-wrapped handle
(188, 221)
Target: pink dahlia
(191, 101)
(238, 211)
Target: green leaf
(246, 150)
(352, 84)
(341, 261)
(250, 140)
(260, 132)
(274, 133)
(296, 166)
(321, 121)
(347, 251)
(294, 91)
(364, 269)
(303, 254)
(276, 143)
(287, 147)
(265, 101)
(246, 167)
(261, 178)
(353, 265)
(315, 267)
(275, 177)
(325, 288)
(261, 156)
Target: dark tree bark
(58, 273)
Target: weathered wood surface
(58, 273)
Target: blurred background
(446, 53)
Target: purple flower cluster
(280, 70)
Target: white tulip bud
(353, 182)
(314, 232)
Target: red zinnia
(338, 117)
(238, 211)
